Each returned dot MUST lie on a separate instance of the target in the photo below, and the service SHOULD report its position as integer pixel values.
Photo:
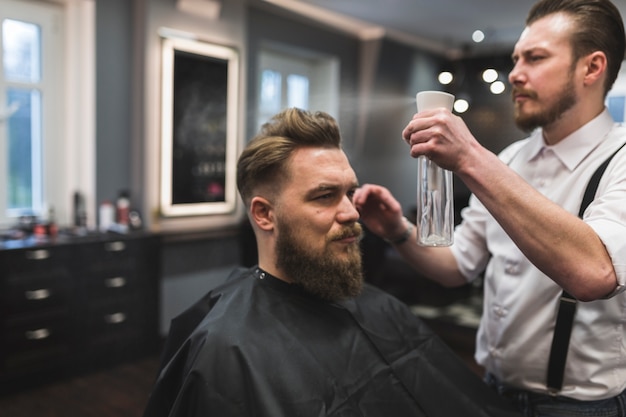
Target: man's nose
(347, 211)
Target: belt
(511, 392)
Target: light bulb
(461, 105)
(445, 77)
(497, 87)
(478, 36)
(490, 75)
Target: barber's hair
(264, 162)
(599, 27)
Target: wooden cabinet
(72, 306)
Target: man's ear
(262, 213)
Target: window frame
(321, 70)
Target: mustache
(522, 91)
(354, 230)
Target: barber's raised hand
(380, 211)
(442, 137)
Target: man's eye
(323, 196)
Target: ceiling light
(461, 105)
(445, 77)
(497, 87)
(490, 75)
(478, 36)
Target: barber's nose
(516, 75)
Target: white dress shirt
(520, 302)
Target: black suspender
(567, 303)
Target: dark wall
(114, 112)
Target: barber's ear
(262, 213)
(595, 65)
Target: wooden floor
(121, 391)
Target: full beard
(566, 100)
(323, 274)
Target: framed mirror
(199, 128)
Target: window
(21, 53)
(617, 105)
(298, 91)
(305, 80)
(40, 98)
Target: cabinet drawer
(108, 261)
(36, 341)
(114, 322)
(102, 255)
(35, 294)
(21, 261)
(111, 284)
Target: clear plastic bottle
(435, 198)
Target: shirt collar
(575, 147)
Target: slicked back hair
(599, 27)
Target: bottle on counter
(122, 208)
(80, 211)
(106, 214)
(52, 230)
(46, 227)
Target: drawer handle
(38, 334)
(116, 246)
(34, 295)
(38, 255)
(116, 282)
(115, 318)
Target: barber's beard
(566, 100)
(323, 273)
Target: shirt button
(500, 311)
(512, 267)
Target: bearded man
(300, 334)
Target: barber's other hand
(380, 211)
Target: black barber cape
(258, 346)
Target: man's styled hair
(599, 27)
(263, 164)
